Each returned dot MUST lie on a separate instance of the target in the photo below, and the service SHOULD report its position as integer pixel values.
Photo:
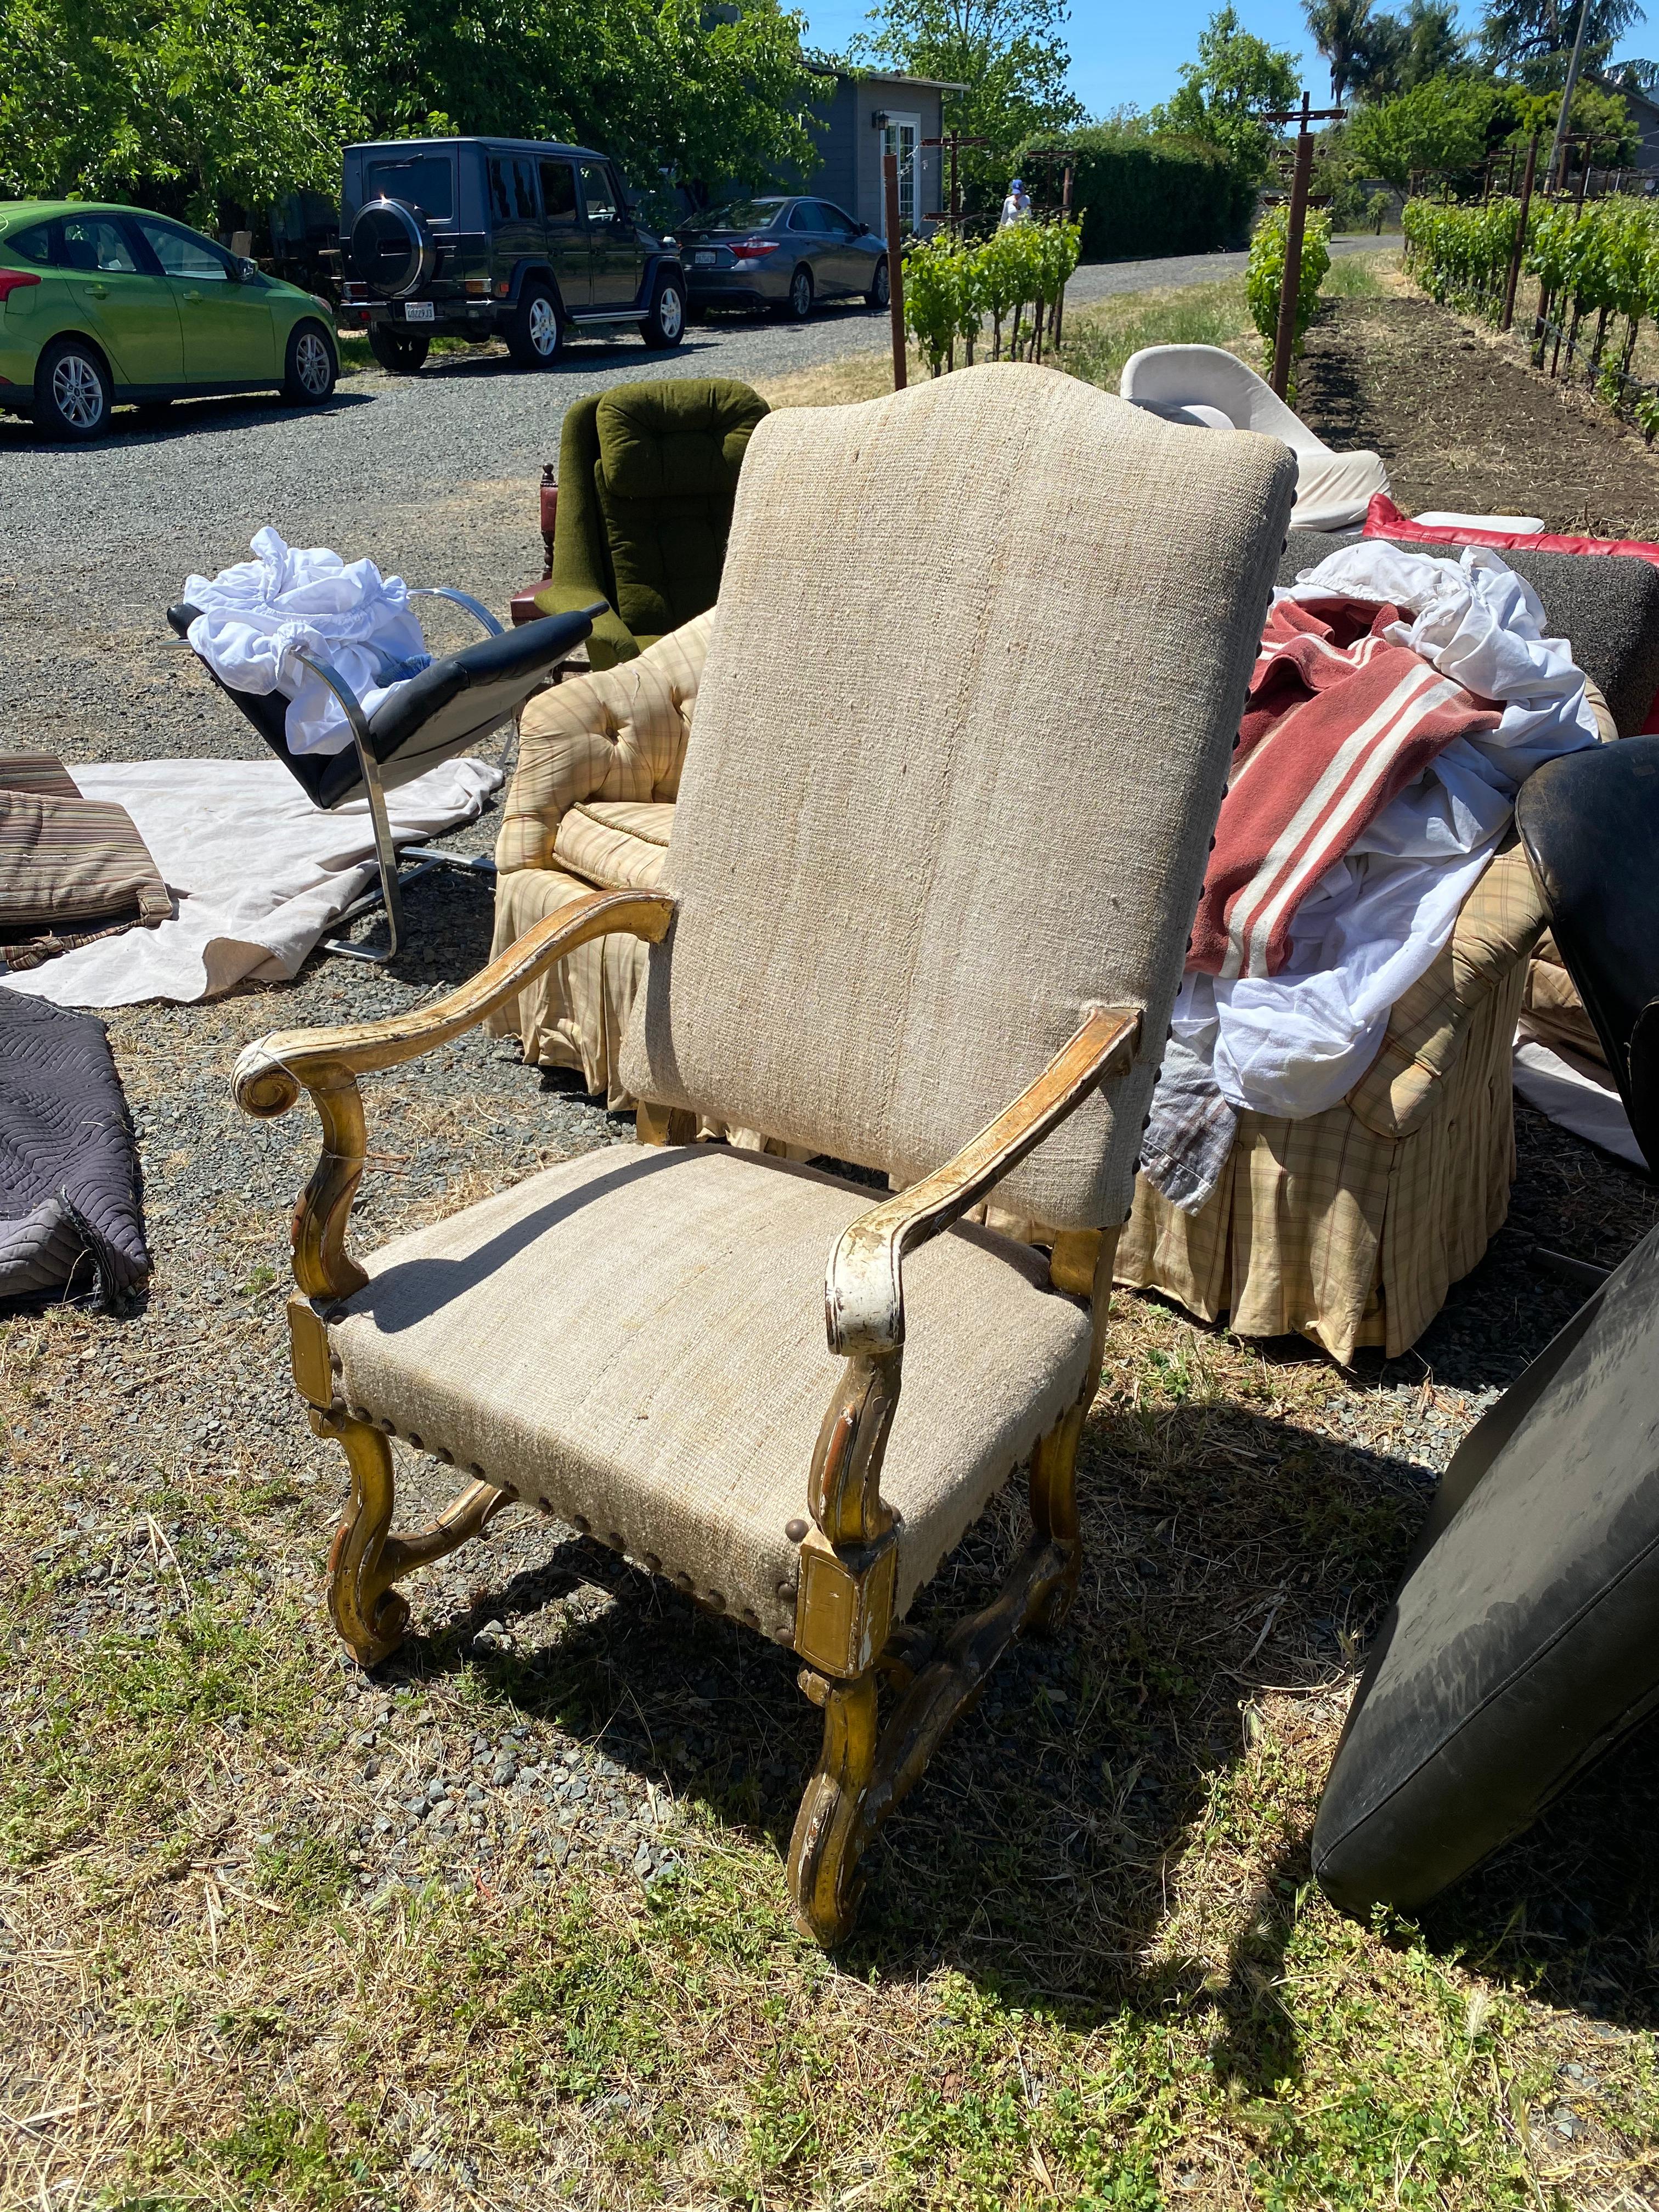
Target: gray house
(856, 121)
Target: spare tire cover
(391, 249)
(1521, 1642)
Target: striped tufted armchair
(589, 808)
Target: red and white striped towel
(1336, 722)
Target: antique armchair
(647, 473)
(636, 1339)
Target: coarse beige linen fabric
(1350, 1227)
(1001, 612)
(637, 1339)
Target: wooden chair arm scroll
(272, 1071)
(864, 1288)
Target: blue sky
(1124, 54)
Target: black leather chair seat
(455, 703)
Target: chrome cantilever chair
(455, 703)
(1004, 611)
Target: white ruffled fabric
(1293, 1044)
(254, 615)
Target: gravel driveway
(431, 477)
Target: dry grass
(1093, 1970)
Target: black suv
(479, 237)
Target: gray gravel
(1104, 280)
(432, 477)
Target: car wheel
(309, 368)
(73, 394)
(535, 334)
(798, 306)
(880, 291)
(665, 324)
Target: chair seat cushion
(636, 1339)
(618, 844)
(1520, 1645)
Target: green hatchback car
(99, 304)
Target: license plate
(704, 260)
(419, 311)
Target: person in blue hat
(1016, 208)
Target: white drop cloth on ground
(1293, 1044)
(254, 614)
(258, 873)
(1577, 1097)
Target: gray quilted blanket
(71, 1208)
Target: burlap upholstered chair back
(979, 659)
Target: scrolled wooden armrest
(273, 1071)
(864, 1287)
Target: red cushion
(1384, 519)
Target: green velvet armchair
(647, 473)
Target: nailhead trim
(716, 1600)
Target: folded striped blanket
(1336, 722)
(72, 869)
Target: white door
(900, 137)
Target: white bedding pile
(1293, 1044)
(255, 614)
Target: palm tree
(1339, 28)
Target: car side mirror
(246, 271)
(863, 231)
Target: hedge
(1142, 196)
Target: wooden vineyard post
(1291, 284)
(1519, 253)
(895, 267)
(1064, 217)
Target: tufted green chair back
(648, 474)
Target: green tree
(1012, 57)
(1597, 114)
(202, 106)
(1531, 39)
(1442, 129)
(1236, 79)
(1338, 29)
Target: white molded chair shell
(1211, 389)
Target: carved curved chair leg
(831, 1828)
(365, 1558)
(1054, 1514)
(369, 1615)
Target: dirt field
(1462, 421)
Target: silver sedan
(781, 253)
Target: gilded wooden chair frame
(845, 1634)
